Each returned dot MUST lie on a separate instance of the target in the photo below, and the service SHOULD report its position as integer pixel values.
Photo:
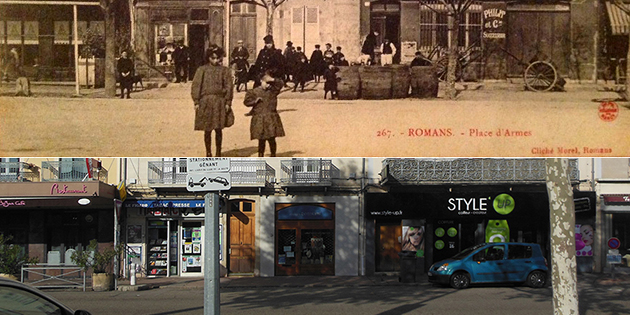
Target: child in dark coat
(331, 81)
(266, 124)
(302, 72)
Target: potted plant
(12, 257)
(101, 263)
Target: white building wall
(346, 231)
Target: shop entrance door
(192, 248)
(388, 247)
(198, 37)
(242, 238)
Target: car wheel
(536, 279)
(460, 280)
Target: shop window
(167, 35)
(317, 247)
(286, 247)
(434, 28)
(305, 27)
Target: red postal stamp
(608, 111)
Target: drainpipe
(362, 221)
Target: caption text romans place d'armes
(546, 150)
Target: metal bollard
(132, 276)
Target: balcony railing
(317, 172)
(18, 172)
(73, 171)
(244, 173)
(418, 171)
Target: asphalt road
(493, 120)
(424, 299)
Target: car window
(495, 253)
(17, 301)
(519, 251)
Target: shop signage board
(196, 165)
(208, 181)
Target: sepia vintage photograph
(314, 78)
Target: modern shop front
(173, 242)
(616, 222)
(53, 219)
(437, 223)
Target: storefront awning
(616, 203)
(164, 203)
(618, 18)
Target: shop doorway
(532, 31)
(388, 246)
(305, 239)
(242, 232)
(192, 248)
(243, 27)
(385, 19)
(198, 38)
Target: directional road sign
(208, 165)
(208, 181)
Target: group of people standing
(289, 65)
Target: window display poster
(187, 248)
(196, 249)
(413, 239)
(196, 235)
(134, 256)
(192, 261)
(583, 240)
(134, 234)
(282, 259)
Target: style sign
(208, 181)
(208, 165)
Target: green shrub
(12, 257)
(99, 261)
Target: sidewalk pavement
(621, 278)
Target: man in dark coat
(125, 73)
(269, 59)
(420, 60)
(369, 44)
(316, 62)
(181, 58)
(241, 65)
(338, 56)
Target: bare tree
(455, 10)
(109, 9)
(270, 6)
(562, 220)
(625, 9)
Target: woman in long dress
(212, 94)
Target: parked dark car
(493, 263)
(19, 298)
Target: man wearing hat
(269, 59)
(181, 58)
(241, 65)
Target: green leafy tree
(13, 257)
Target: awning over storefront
(616, 203)
(618, 18)
(164, 203)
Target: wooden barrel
(376, 82)
(424, 82)
(400, 81)
(349, 84)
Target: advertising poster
(413, 239)
(497, 231)
(196, 235)
(196, 249)
(584, 236)
(188, 248)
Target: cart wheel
(540, 76)
(441, 69)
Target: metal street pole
(75, 37)
(211, 303)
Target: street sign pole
(211, 304)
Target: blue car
(492, 263)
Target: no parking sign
(614, 243)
